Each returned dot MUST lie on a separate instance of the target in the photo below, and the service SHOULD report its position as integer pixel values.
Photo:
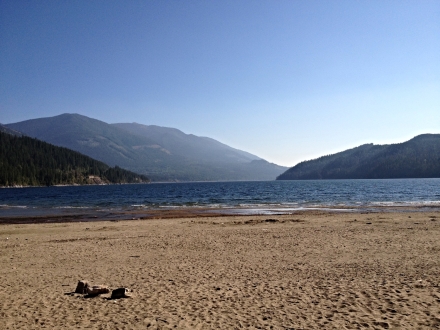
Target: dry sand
(310, 270)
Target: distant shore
(75, 185)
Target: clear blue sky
(285, 80)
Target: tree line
(25, 161)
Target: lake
(231, 197)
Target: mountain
(189, 145)
(25, 161)
(88, 136)
(416, 158)
(8, 130)
(162, 154)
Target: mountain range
(160, 153)
(416, 158)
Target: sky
(286, 80)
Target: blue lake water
(262, 196)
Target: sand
(311, 270)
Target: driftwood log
(97, 289)
(84, 287)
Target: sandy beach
(309, 270)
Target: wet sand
(307, 270)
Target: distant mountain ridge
(188, 145)
(162, 154)
(8, 130)
(416, 158)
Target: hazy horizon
(230, 145)
(287, 81)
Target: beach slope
(311, 270)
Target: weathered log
(97, 289)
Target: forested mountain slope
(416, 158)
(162, 154)
(25, 161)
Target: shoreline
(73, 185)
(86, 215)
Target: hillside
(26, 161)
(416, 158)
(8, 130)
(162, 154)
(189, 145)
